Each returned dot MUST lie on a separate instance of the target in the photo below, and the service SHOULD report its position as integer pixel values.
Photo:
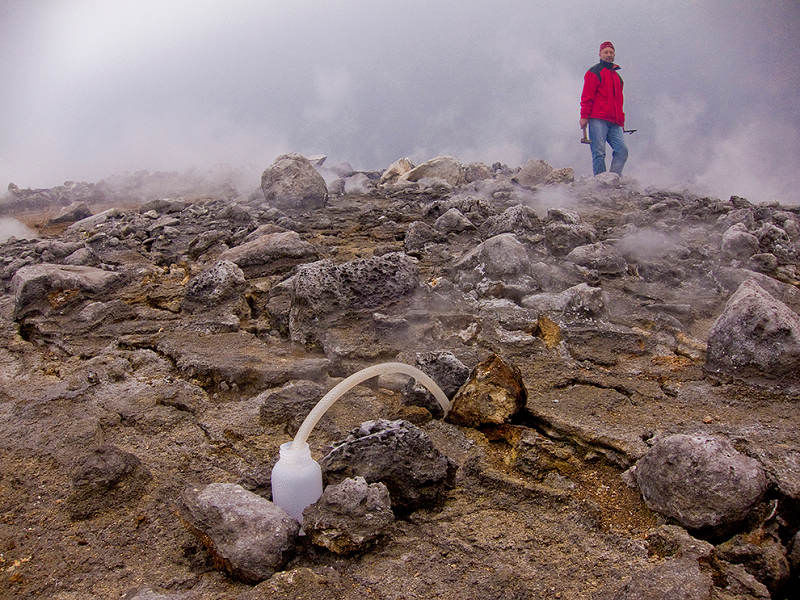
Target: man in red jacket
(601, 110)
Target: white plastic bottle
(296, 479)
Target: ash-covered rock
(395, 453)
(349, 516)
(292, 182)
(247, 536)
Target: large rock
(762, 556)
(397, 169)
(518, 219)
(453, 221)
(246, 535)
(292, 182)
(270, 254)
(289, 405)
(104, 479)
(700, 481)
(755, 334)
(322, 289)
(600, 257)
(493, 394)
(445, 168)
(445, 369)
(500, 256)
(533, 172)
(46, 287)
(223, 283)
(397, 454)
(580, 301)
(348, 516)
(737, 242)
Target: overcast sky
(93, 88)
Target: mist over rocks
(191, 326)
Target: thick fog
(92, 88)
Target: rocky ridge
(618, 350)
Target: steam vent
(622, 365)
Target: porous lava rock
(223, 282)
(493, 394)
(292, 182)
(398, 454)
(246, 535)
(763, 556)
(349, 516)
(445, 369)
(533, 172)
(700, 481)
(106, 478)
(755, 334)
(271, 253)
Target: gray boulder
(498, 257)
(580, 301)
(418, 235)
(476, 172)
(518, 219)
(600, 257)
(222, 283)
(562, 237)
(293, 182)
(105, 478)
(755, 334)
(533, 172)
(700, 481)
(74, 212)
(453, 221)
(737, 242)
(45, 286)
(289, 405)
(445, 369)
(397, 454)
(247, 536)
(349, 516)
(394, 171)
(270, 254)
(763, 556)
(324, 289)
(446, 168)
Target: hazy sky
(92, 88)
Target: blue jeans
(600, 132)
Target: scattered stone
(737, 242)
(292, 182)
(397, 454)
(500, 256)
(700, 481)
(755, 334)
(446, 168)
(493, 394)
(69, 214)
(561, 237)
(397, 169)
(761, 555)
(349, 516)
(560, 176)
(453, 221)
(105, 479)
(418, 235)
(533, 173)
(600, 257)
(518, 219)
(224, 282)
(246, 535)
(445, 369)
(290, 404)
(271, 253)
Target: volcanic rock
(398, 168)
(246, 535)
(445, 369)
(453, 221)
(105, 479)
(493, 394)
(446, 168)
(533, 173)
(398, 454)
(737, 242)
(290, 404)
(69, 214)
(756, 333)
(762, 556)
(271, 253)
(292, 182)
(518, 219)
(500, 256)
(224, 282)
(349, 516)
(700, 481)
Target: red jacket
(602, 94)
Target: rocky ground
(624, 365)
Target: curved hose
(360, 376)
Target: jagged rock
(90, 224)
(581, 301)
(446, 168)
(607, 180)
(224, 282)
(756, 333)
(498, 257)
(761, 555)
(270, 254)
(322, 289)
(418, 235)
(518, 219)
(600, 257)
(54, 249)
(359, 184)
(69, 214)
(349, 516)
(557, 176)
(493, 394)
(700, 481)
(673, 541)
(398, 454)
(46, 287)
(476, 172)
(562, 237)
(445, 369)
(246, 535)
(397, 169)
(297, 584)
(737, 242)
(765, 262)
(289, 405)
(105, 479)
(292, 182)
(453, 221)
(533, 172)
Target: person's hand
(584, 123)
